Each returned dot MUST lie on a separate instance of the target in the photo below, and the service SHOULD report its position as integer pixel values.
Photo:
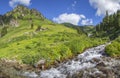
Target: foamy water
(81, 62)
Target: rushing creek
(84, 65)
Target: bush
(30, 59)
(38, 28)
(76, 46)
(20, 38)
(65, 51)
(113, 49)
(4, 31)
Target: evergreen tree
(3, 31)
(118, 19)
(109, 22)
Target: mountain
(27, 37)
(20, 13)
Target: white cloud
(71, 18)
(105, 5)
(68, 18)
(13, 3)
(87, 22)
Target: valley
(31, 46)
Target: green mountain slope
(27, 36)
(88, 29)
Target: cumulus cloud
(87, 22)
(70, 18)
(105, 5)
(13, 3)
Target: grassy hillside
(41, 39)
(113, 49)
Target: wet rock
(30, 74)
(88, 73)
(40, 64)
(116, 70)
(41, 61)
(95, 60)
(97, 75)
(101, 64)
(77, 75)
(107, 71)
(10, 69)
(3, 75)
(57, 62)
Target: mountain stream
(92, 63)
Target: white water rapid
(88, 59)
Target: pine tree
(118, 19)
(3, 31)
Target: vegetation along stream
(92, 63)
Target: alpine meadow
(35, 43)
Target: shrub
(113, 49)
(20, 38)
(30, 59)
(38, 28)
(32, 25)
(65, 51)
(75, 46)
(4, 31)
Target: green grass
(113, 49)
(57, 42)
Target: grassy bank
(113, 49)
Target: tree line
(109, 22)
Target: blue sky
(81, 12)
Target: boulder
(40, 64)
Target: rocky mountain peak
(21, 8)
(21, 12)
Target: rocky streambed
(92, 63)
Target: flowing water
(89, 59)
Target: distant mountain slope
(84, 29)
